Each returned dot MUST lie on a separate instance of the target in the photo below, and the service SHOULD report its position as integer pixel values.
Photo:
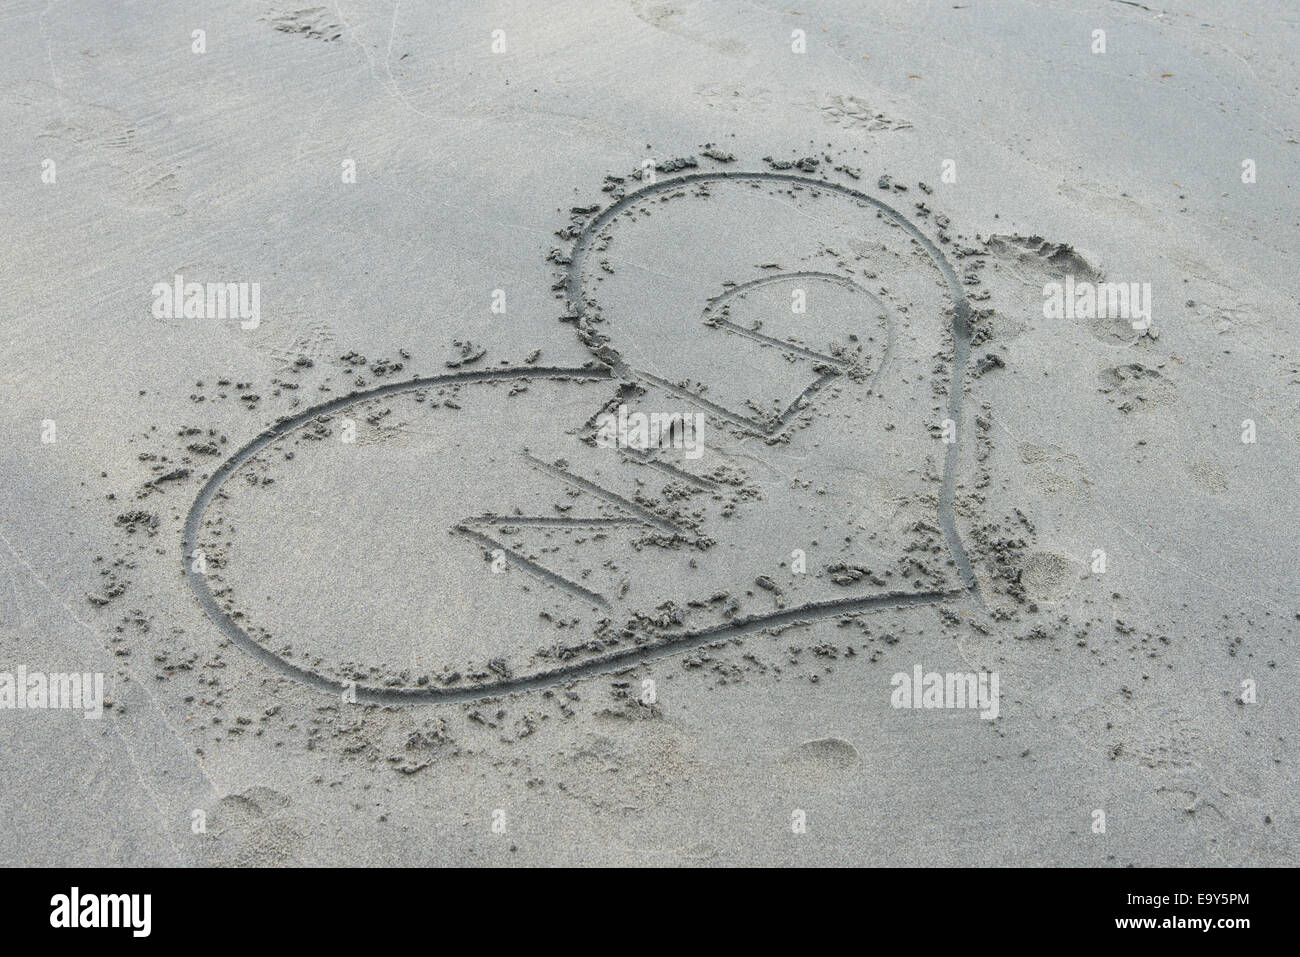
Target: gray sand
(367, 586)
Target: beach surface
(584, 434)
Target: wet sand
(368, 583)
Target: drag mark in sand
(667, 645)
(961, 320)
(631, 514)
(835, 366)
(634, 515)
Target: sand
(379, 571)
